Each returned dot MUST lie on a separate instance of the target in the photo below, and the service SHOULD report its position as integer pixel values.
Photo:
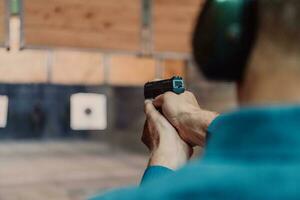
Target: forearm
(170, 158)
(164, 160)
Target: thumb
(158, 101)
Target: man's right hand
(185, 114)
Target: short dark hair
(280, 21)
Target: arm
(167, 153)
(190, 121)
(167, 150)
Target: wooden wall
(100, 24)
(104, 24)
(173, 23)
(109, 24)
(2, 22)
(75, 67)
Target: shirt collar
(257, 133)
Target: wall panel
(173, 23)
(103, 24)
(131, 71)
(72, 67)
(28, 66)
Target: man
(251, 153)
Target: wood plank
(173, 23)
(131, 71)
(105, 24)
(2, 22)
(26, 66)
(72, 67)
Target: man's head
(272, 74)
(267, 33)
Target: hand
(185, 114)
(166, 147)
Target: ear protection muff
(223, 38)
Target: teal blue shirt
(253, 153)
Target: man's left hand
(166, 147)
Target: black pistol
(156, 88)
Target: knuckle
(168, 95)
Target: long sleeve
(154, 172)
(157, 183)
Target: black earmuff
(223, 38)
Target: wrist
(171, 156)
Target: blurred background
(71, 90)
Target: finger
(150, 111)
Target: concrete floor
(70, 170)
